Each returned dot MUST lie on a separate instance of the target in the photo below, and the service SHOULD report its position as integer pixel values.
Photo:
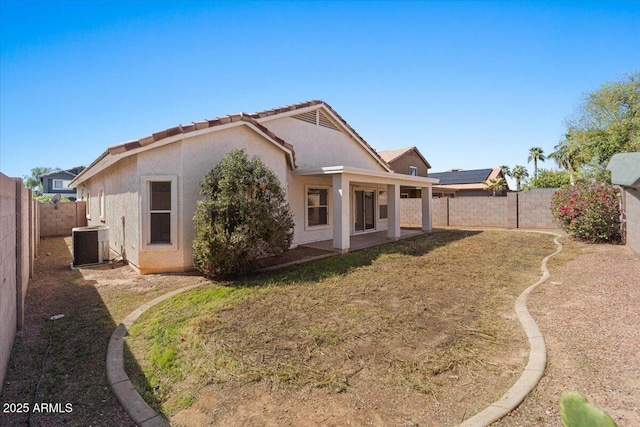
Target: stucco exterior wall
(632, 213)
(401, 165)
(202, 153)
(318, 146)
(121, 185)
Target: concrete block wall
(534, 210)
(58, 220)
(8, 312)
(632, 214)
(479, 211)
(18, 245)
(410, 212)
(440, 212)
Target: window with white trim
(317, 207)
(101, 203)
(413, 170)
(58, 184)
(88, 204)
(160, 206)
(382, 204)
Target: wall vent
(317, 117)
(326, 121)
(309, 117)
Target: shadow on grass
(316, 271)
(74, 384)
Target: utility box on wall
(90, 245)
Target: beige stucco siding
(318, 146)
(200, 154)
(120, 185)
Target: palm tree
(566, 156)
(506, 170)
(495, 184)
(519, 173)
(536, 154)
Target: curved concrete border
(537, 355)
(145, 416)
(141, 413)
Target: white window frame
(308, 187)
(146, 212)
(378, 202)
(412, 169)
(88, 209)
(101, 204)
(55, 181)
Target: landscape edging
(537, 354)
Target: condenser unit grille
(90, 245)
(85, 247)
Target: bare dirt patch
(588, 312)
(420, 332)
(94, 301)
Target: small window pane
(161, 196)
(160, 228)
(317, 197)
(324, 196)
(317, 216)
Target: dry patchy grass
(420, 331)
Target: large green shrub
(589, 212)
(242, 217)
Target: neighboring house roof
(391, 155)
(71, 173)
(467, 179)
(253, 119)
(625, 169)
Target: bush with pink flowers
(589, 212)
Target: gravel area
(589, 314)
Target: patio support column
(341, 215)
(393, 203)
(427, 211)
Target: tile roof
(251, 118)
(391, 155)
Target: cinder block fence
(527, 209)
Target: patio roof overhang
(370, 176)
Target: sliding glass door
(365, 210)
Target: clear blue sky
(471, 84)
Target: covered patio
(357, 220)
(361, 241)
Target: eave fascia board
(113, 154)
(368, 173)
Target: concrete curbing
(135, 406)
(537, 355)
(145, 416)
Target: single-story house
(467, 182)
(337, 186)
(57, 182)
(625, 172)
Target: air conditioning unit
(90, 245)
